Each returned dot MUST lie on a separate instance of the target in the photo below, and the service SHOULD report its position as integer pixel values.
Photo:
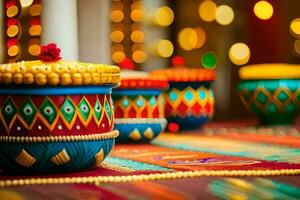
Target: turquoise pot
(273, 101)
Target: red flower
(50, 53)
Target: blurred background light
(137, 36)
(201, 37)
(116, 36)
(164, 16)
(209, 60)
(139, 56)
(295, 27)
(224, 15)
(207, 10)
(263, 10)
(165, 48)
(239, 53)
(118, 56)
(26, 3)
(188, 39)
(137, 15)
(116, 16)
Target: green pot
(274, 101)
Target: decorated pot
(55, 116)
(189, 101)
(139, 107)
(271, 91)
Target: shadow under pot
(271, 92)
(139, 107)
(50, 125)
(189, 101)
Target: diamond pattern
(282, 96)
(8, 111)
(98, 110)
(108, 109)
(188, 95)
(28, 111)
(261, 98)
(68, 110)
(48, 111)
(84, 109)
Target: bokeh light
(116, 36)
(239, 53)
(137, 15)
(26, 3)
(139, 56)
(224, 15)
(295, 27)
(207, 10)
(118, 56)
(201, 37)
(137, 36)
(209, 60)
(164, 16)
(263, 10)
(136, 5)
(116, 16)
(165, 48)
(297, 47)
(34, 49)
(117, 47)
(188, 39)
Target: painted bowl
(139, 107)
(54, 117)
(189, 101)
(271, 92)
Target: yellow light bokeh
(118, 56)
(224, 15)
(26, 3)
(201, 37)
(239, 53)
(136, 5)
(137, 47)
(207, 10)
(117, 36)
(263, 10)
(137, 15)
(165, 48)
(295, 27)
(137, 36)
(164, 16)
(34, 49)
(116, 16)
(297, 47)
(139, 56)
(188, 39)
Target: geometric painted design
(68, 110)
(84, 109)
(9, 111)
(149, 133)
(98, 110)
(25, 159)
(135, 135)
(189, 101)
(99, 157)
(282, 96)
(48, 111)
(55, 115)
(28, 111)
(261, 97)
(61, 158)
(138, 106)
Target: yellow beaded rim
(270, 71)
(58, 73)
(149, 177)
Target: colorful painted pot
(55, 117)
(139, 107)
(189, 99)
(271, 91)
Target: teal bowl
(274, 101)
